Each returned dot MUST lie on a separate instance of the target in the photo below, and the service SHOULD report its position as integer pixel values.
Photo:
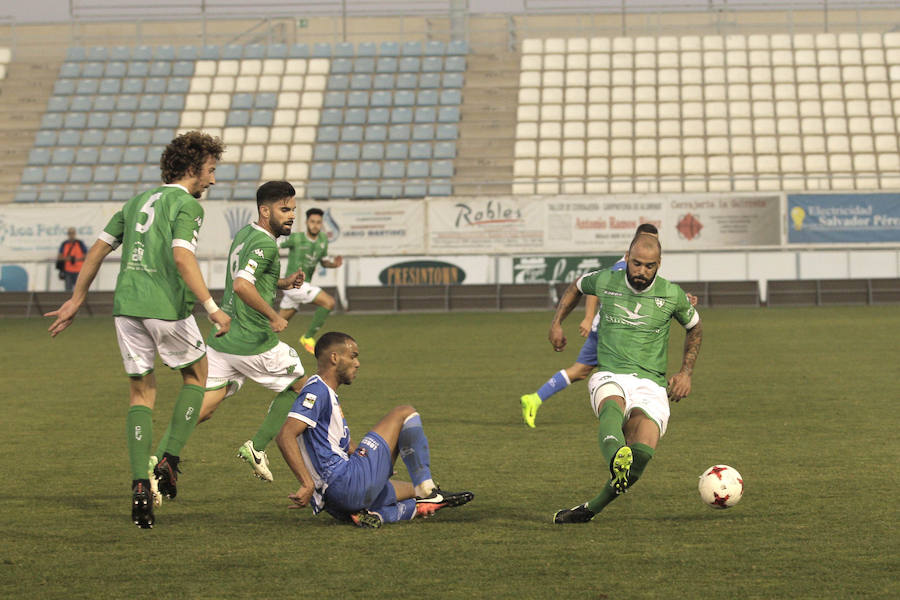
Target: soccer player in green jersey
(159, 281)
(628, 393)
(251, 349)
(306, 251)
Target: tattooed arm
(680, 383)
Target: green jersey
(253, 256)
(633, 336)
(148, 227)
(305, 253)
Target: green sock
(271, 425)
(184, 418)
(139, 429)
(609, 432)
(642, 454)
(317, 321)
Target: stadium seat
(396, 151)
(418, 169)
(371, 151)
(393, 170)
(347, 152)
(369, 169)
(324, 152)
(375, 133)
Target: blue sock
(404, 510)
(557, 383)
(414, 449)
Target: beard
(281, 228)
(639, 284)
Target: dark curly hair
(186, 154)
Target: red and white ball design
(721, 486)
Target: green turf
(802, 401)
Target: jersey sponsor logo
(660, 302)
(367, 441)
(610, 293)
(259, 252)
(309, 400)
(633, 318)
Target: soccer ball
(721, 486)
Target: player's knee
(327, 301)
(404, 411)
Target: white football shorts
(640, 393)
(294, 297)
(179, 343)
(274, 369)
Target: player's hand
(557, 337)
(584, 328)
(692, 299)
(338, 261)
(679, 386)
(301, 497)
(295, 280)
(278, 324)
(65, 314)
(221, 321)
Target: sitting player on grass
(352, 482)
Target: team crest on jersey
(660, 302)
(309, 400)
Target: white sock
(425, 488)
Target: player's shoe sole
(142, 506)
(154, 483)
(576, 514)
(166, 472)
(257, 459)
(619, 467)
(530, 405)
(309, 344)
(438, 499)
(367, 519)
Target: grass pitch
(803, 402)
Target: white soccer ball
(721, 486)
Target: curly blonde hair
(186, 154)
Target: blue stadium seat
(448, 114)
(173, 102)
(386, 64)
(76, 54)
(399, 133)
(209, 52)
(445, 150)
(345, 170)
(39, 157)
(69, 137)
(128, 174)
(249, 172)
(87, 86)
(104, 103)
(417, 169)
(98, 120)
(415, 188)
(45, 138)
(226, 172)
(57, 174)
(455, 64)
(132, 85)
(109, 87)
(393, 169)
(168, 119)
(343, 50)
(165, 52)
(254, 51)
(366, 49)
(183, 68)
(396, 151)
(457, 47)
(381, 98)
(155, 85)
(330, 133)
(75, 120)
(187, 53)
(267, 100)
(321, 50)
(409, 64)
(434, 48)
(97, 193)
(122, 120)
(390, 190)
(242, 101)
(145, 120)
(58, 104)
(423, 132)
(139, 137)
(375, 133)
(50, 194)
(342, 188)
(111, 155)
(321, 170)
(348, 152)
(447, 131)
(452, 80)
(70, 70)
(324, 152)
(178, 85)
(412, 49)
(369, 169)
(81, 104)
(342, 65)
(407, 81)
(442, 168)
(404, 98)
(358, 99)
(127, 103)
(427, 98)
(87, 156)
(220, 191)
(277, 50)
(237, 118)
(364, 65)
(81, 174)
(355, 116)
(138, 155)
(432, 64)
(33, 175)
(98, 54)
(90, 137)
(401, 114)
(366, 188)
(451, 97)
(299, 51)
(232, 52)
(352, 133)
(338, 82)
(121, 192)
(119, 54)
(64, 87)
(162, 137)
(335, 100)
(331, 116)
(379, 116)
(420, 151)
(389, 49)
(26, 193)
(160, 69)
(76, 193)
(262, 118)
(371, 152)
(360, 81)
(115, 70)
(430, 80)
(383, 81)
(440, 187)
(425, 114)
(138, 69)
(142, 53)
(151, 174)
